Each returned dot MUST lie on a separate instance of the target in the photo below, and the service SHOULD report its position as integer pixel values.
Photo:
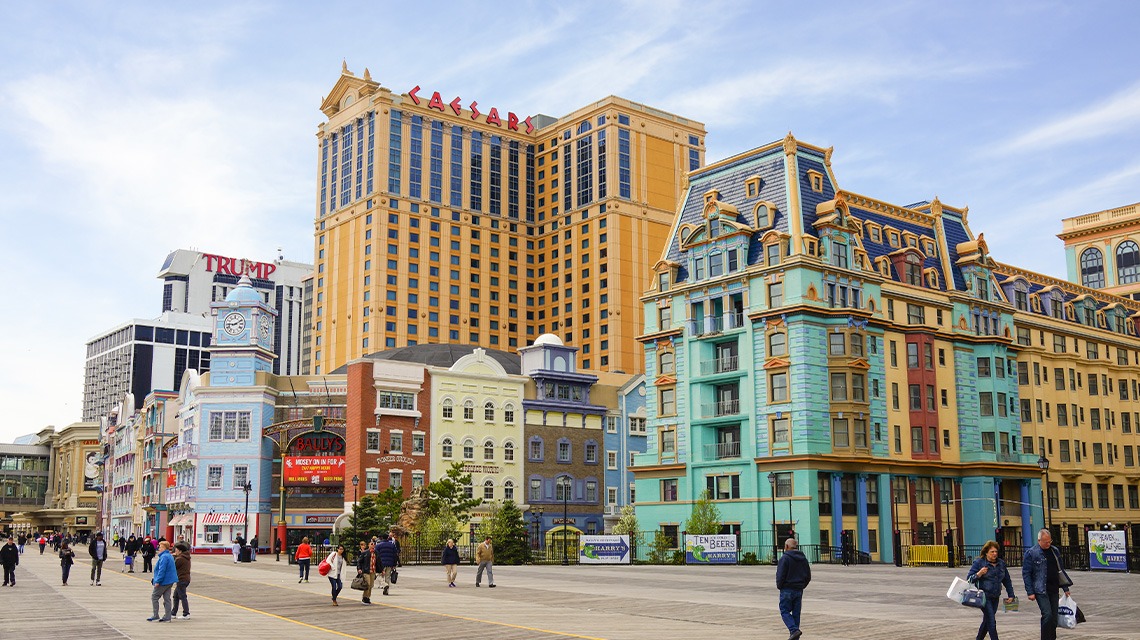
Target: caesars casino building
(139, 356)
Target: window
(915, 314)
(778, 386)
(373, 437)
(723, 487)
(468, 449)
(777, 344)
(448, 408)
(564, 451)
(445, 447)
(776, 294)
(395, 442)
(923, 493)
(1092, 268)
(509, 414)
(591, 453)
(468, 409)
(668, 440)
(983, 367)
(214, 477)
(838, 387)
(535, 490)
(666, 360)
(669, 490)
(668, 401)
(780, 435)
(837, 344)
(840, 436)
(986, 403)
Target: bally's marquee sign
(436, 102)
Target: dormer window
(838, 255)
(714, 228)
(1056, 308)
(912, 270)
(663, 281)
(815, 179)
(893, 238)
(752, 186)
(1020, 300)
(763, 215)
(982, 285)
(928, 247)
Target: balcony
(721, 408)
(181, 494)
(715, 324)
(182, 452)
(723, 364)
(722, 450)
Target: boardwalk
(264, 600)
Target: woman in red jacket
(304, 555)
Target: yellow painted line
(564, 634)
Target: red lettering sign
(493, 117)
(512, 121)
(239, 267)
(455, 106)
(436, 102)
(474, 107)
(412, 94)
(299, 471)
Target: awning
(224, 518)
(184, 520)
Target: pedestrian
(20, 541)
(1044, 575)
(793, 574)
(164, 578)
(66, 559)
(451, 561)
(236, 548)
(253, 549)
(133, 544)
(122, 543)
(182, 568)
(388, 556)
(98, 551)
(485, 557)
(336, 572)
(148, 552)
(10, 557)
(989, 573)
(366, 566)
(42, 541)
(304, 556)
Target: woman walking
(336, 572)
(182, 568)
(989, 573)
(66, 559)
(304, 556)
(450, 561)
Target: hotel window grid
(415, 157)
(395, 136)
(495, 186)
(623, 164)
(456, 172)
(346, 164)
(435, 163)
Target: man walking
(1044, 576)
(165, 577)
(793, 574)
(10, 557)
(388, 555)
(98, 551)
(366, 566)
(182, 567)
(485, 556)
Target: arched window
(488, 450)
(448, 408)
(468, 449)
(1092, 268)
(762, 216)
(778, 344)
(1127, 262)
(509, 413)
(509, 490)
(468, 409)
(488, 489)
(445, 447)
(489, 411)
(508, 452)
(913, 269)
(666, 362)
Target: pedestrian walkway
(264, 600)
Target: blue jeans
(1047, 603)
(989, 617)
(791, 600)
(337, 584)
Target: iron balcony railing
(722, 364)
(182, 452)
(721, 408)
(715, 324)
(722, 450)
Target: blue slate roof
(955, 233)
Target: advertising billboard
(718, 549)
(1107, 551)
(604, 550)
(325, 471)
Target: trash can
(245, 554)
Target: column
(1027, 537)
(836, 509)
(861, 510)
(997, 507)
(887, 522)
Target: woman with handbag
(66, 559)
(335, 573)
(989, 573)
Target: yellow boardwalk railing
(926, 554)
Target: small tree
(627, 525)
(449, 493)
(437, 528)
(373, 515)
(661, 551)
(508, 530)
(704, 520)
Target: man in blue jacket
(793, 574)
(164, 578)
(1044, 576)
(387, 556)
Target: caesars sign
(314, 459)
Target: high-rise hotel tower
(443, 220)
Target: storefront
(217, 531)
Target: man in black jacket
(98, 551)
(366, 564)
(792, 576)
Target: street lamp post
(565, 515)
(245, 523)
(775, 543)
(949, 533)
(355, 483)
(896, 534)
(1043, 462)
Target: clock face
(234, 323)
(265, 327)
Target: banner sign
(719, 549)
(322, 471)
(604, 550)
(1107, 551)
(171, 478)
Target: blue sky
(128, 129)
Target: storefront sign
(710, 549)
(604, 550)
(320, 519)
(436, 102)
(481, 468)
(171, 478)
(395, 459)
(313, 443)
(323, 471)
(1107, 551)
(80, 520)
(239, 266)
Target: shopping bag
(957, 588)
(358, 582)
(392, 578)
(1080, 616)
(324, 567)
(975, 598)
(128, 560)
(1011, 606)
(1067, 613)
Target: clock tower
(243, 337)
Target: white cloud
(1108, 117)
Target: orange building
(440, 220)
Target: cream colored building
(1102, 250)
(74, 481)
